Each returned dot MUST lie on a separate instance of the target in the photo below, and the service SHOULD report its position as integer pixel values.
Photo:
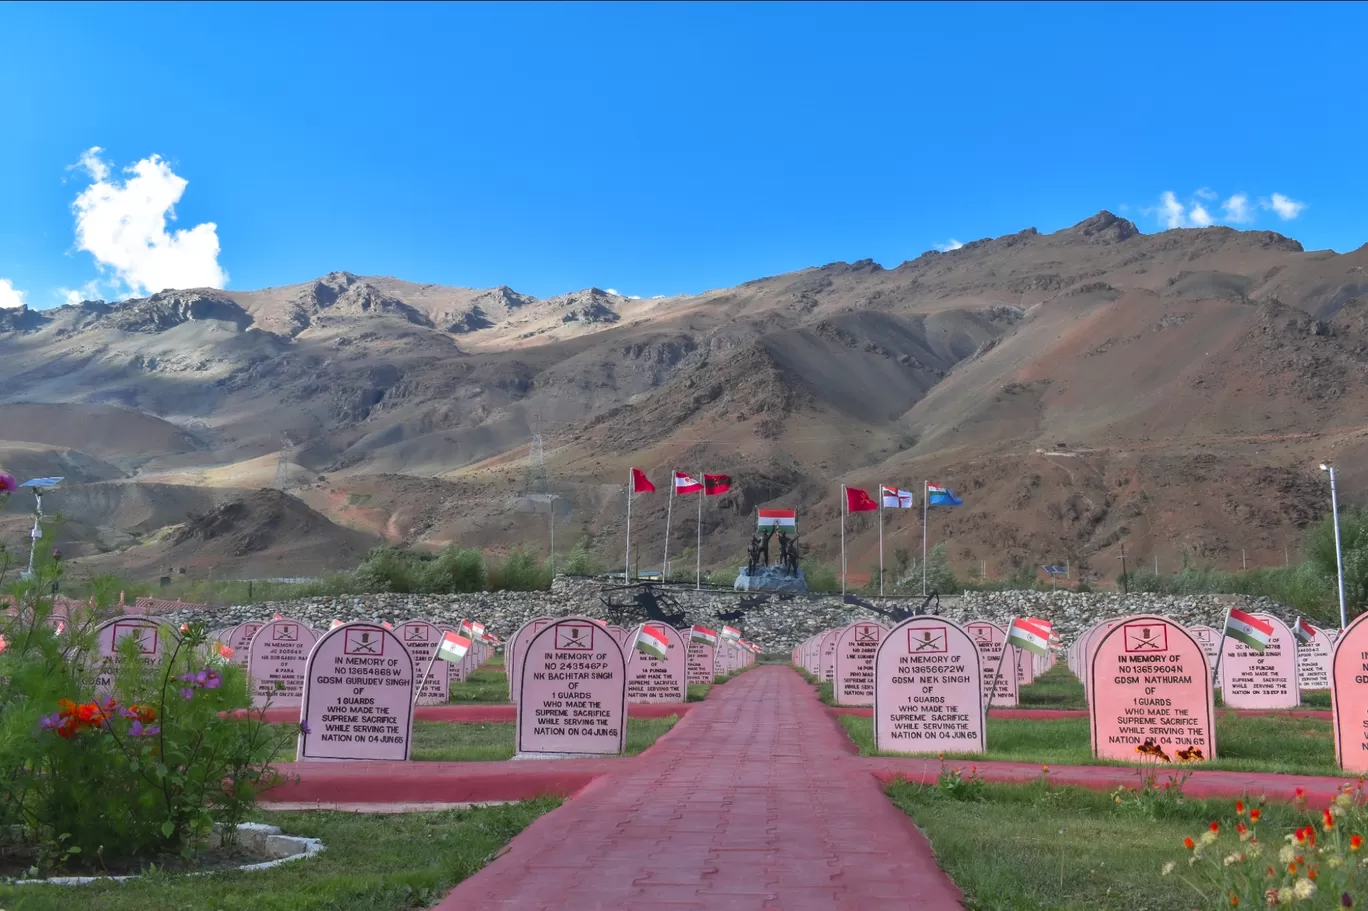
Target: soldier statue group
(760, 551)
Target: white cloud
(1286, 207)
(1236, 210)
(947, 247)
(616, 293)
(10, 296)
(90, 291)
(1171, 211)
(123, 224)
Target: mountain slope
(1077, 385)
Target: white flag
(895, 498)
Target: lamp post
(38, 486)
(1339, 556)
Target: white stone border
(266, 837)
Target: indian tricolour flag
(1028, 635)
(777, 518)
(653, 642)
(335, 624)
(473, 629)
(729, 632)
(1249, 629)
(1304, 631)
(702, 634)
(453, 647)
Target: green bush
(113, 780)
(521, 571)
(455, 570)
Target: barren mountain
(1084, 389)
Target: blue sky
(654, 149)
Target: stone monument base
(771, 579)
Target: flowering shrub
(112, 781)
(1151, 800)
(958, 786)
(1320, 864)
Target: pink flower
(7, 483)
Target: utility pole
(1156, 564)
(1339, 555)
(1125, 582)
(1244, 560)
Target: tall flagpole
(844, 502)
(881, 507)
(926, 487)
(627, 564)
(698, 552)
(669, 509)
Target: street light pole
(1339, 556)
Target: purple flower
(7, 483)
(201, 678)
(187, 694)
(212, 681)
(152, 730)
(56, 554)
(304, 727)
(135, 729)
(50, 722)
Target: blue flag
(941, 496)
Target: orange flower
(1189, 843)
(1311, 873)
(1355, 842)
(1241, 828)
(1234, 899)
(65, 707)
(1327, 819)
(1239, 807)
(1215, 826)
(1254, 814)
(1301, 793)
(1292, 868)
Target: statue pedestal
(771, 579)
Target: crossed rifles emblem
(928, 640)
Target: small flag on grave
(1248, 629)
(729, 632)
(653, 642)
(386, 624)
(1027, 635)
(702, 634)
(1303, 631)
(277, 617)
(335, 624)
(453, 647)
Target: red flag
(685, 484)
(858, 500)
(641, 483)
(715, 484)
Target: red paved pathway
(753, 801)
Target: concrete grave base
(560, 755)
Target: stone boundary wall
(778, 626)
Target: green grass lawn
(486, 686)
(1269, 743)
(699, 691)
(371, 862)
(1057, 688)
(1038, 848)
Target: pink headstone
(928, 689)
(827, 655)
(1151, 694)
(1087, 642)
(517, 648)
(277, 658)
(150, 635)
(573, 690)
(855, 649)
(700, 664)
(1349, 695)
(652, 679)
(619, 635)
(421, 639)
(1250, 680)
(1313, 662)
(240, 641)
(991, 640)
(1209, 639)
(358, 696)
(1026, 668)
